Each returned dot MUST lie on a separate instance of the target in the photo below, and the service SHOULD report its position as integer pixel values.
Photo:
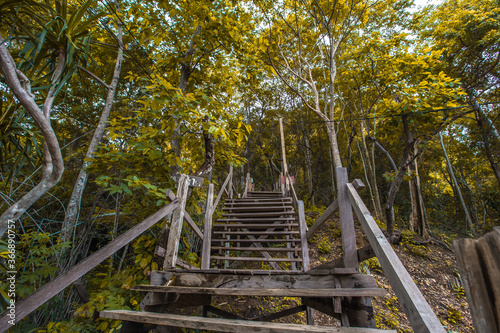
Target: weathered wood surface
(207, 230)
(49, 290)
(280, 314)
(364, 253)
(418, 311)
(187, 218)
(221, 191)
(303, 235)
(252, 239)
(346, 220)
(226, 325)
(480, 272)
(258, 249)
(342, 292)
(271, 259)
(176, 225)
(255, 225)
(248, 184)
(284, 280)
(358, 184)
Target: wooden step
(264, 240)
(256, 259)
(257, 208)
(258, 249)
(285, 292)
(262, 219)
(259, 214)
(257, 203)
(254, 225)
(259, 233)
(225, 325)
(258, 199)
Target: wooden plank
(257, 203)
(257, 259)
(283, 154)
(364, 253)
(258, 233)
(291, 212)
(480, 273)
(255, 240)
(207, 230)
(250, 200)
(226, 325)
(330, 211)
(263, 219)
(346, 220)
(254, 225)
(418, 311)
(247, 185)
(187, 218)
(258, 249)
(176, 224)
(221, 191)
(282, 292)
(230, 184)
(49, 290)
(303, 235)
(251, 209)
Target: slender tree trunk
(396, 184)
(53, 165)
(371, 174)
(73, 209)
(487, 146)
(468, 221)
(309, 162)
(418, 221)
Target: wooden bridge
(257, 229)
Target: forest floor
(432, 267)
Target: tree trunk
(487, 146)
(396, 184)
(418, 221)
(370, 170)
(468, 221)
(73, 209)
(53, 165)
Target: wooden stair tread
(259, 214)
(290, 292)
(237, 271)
(258, 249)
(263, 219)
(268, 233)
(258, 203)
(254, 225)
(256, 259)
(238, 200)
(263, 240)
(223, 325)
(259, 208)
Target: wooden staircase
(260, 230)
(258, 248)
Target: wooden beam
(330, 292)
(280, 314)
(346, 220)
(187, 218)
(226, 325)
(207, 230)
(480, 272)
(418, 311)
(358, 184)
(283, 154)
(364, 253)
(303, 235)
(221, 191)
(176, 224)
(49, 290)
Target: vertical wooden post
(283, 153)
(176, 225)
(230, 193)
(303, 235)
(207, 231)
(248, 184)
(346, 221)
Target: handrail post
(230, 190)
(303, 235)
(283, 153)
(207, 231)
(176, 225)
(346, 220)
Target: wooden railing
(209, 211)
(49, 290)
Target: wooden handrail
(221, 191)
(418, 311)
(49, 290)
